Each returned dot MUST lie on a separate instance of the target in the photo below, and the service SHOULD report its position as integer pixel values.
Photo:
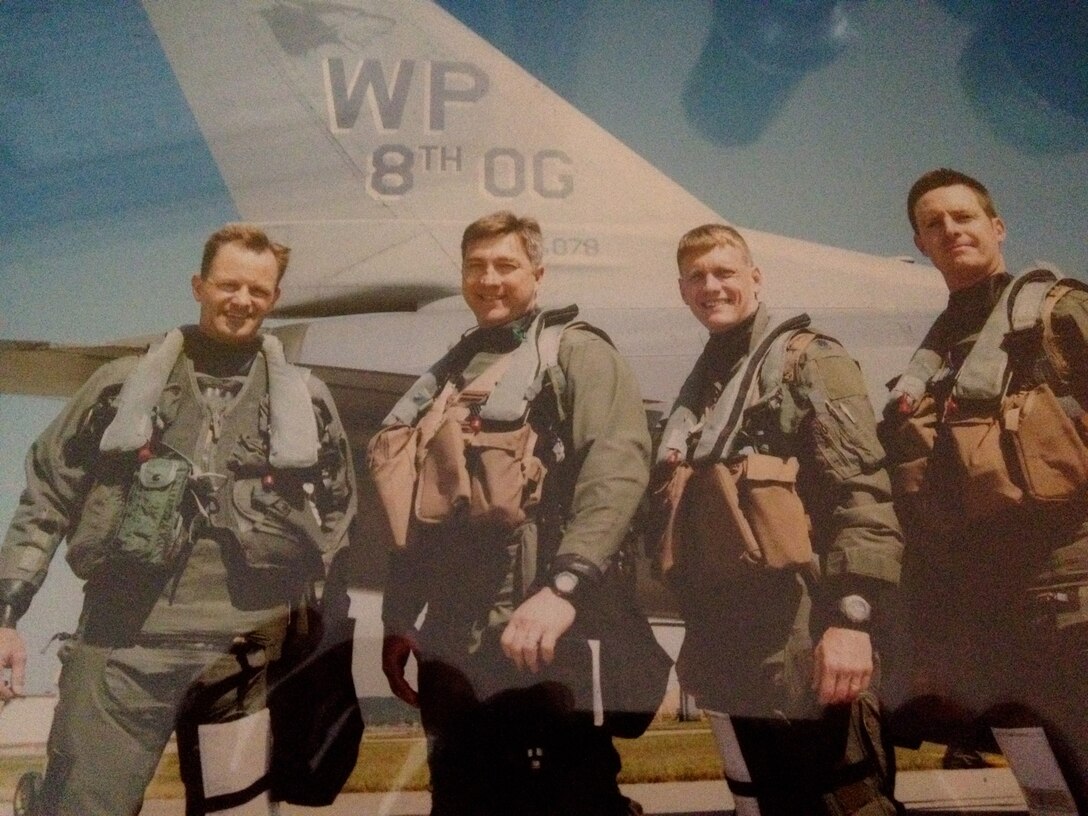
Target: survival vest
(992, 435)
(445, 451)
(158, 469)
(727, 509)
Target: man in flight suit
(202, 489)
(997, 585)
(500, 597)
(778, 647)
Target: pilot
(777, 535)
(986, 434)
(202, 489)
(506, 563)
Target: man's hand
(842, 666)
(530, 637)
(13, 657)
(395, 652)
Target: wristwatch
(565, 584)
(855, 612)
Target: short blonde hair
(708, 236)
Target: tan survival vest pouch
(391, 458)
(492, 475)
(742, 514)
(721, 518)
(991, 450)
(467, 453)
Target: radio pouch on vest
(150, 533)
(505, 478)
(443, 483)
(1051, 456)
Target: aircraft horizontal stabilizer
(52, 370)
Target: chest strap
(761, 368)
(509, 398)
(293, 434)
(984, 374)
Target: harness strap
(720, 433)
(484, 384)
(923, 366)
(984, 373)
(782, 361)
(1050, 339)
(509, 401)
(506, 398)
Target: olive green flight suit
(595, 443)
(164, 648)
(999, 611)
(747, 651)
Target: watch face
(565, 582)
(855, 608)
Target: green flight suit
(747, 651)
(159, 649)
(999, 610)
(595, 442)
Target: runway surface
(990, 792)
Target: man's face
(498, 281)
(241, 288)
(957, 235)
(720, 286)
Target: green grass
(394, 758)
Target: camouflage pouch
(505, 478)
(90, 545)
(1052, 459)
(151, 531)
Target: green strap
(982, 375)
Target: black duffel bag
(611, 661)
(317, 725)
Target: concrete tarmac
(989, 792)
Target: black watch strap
(853, 612)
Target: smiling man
(202, 488)
(524, 497)
(783, 546)
(988, 433)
